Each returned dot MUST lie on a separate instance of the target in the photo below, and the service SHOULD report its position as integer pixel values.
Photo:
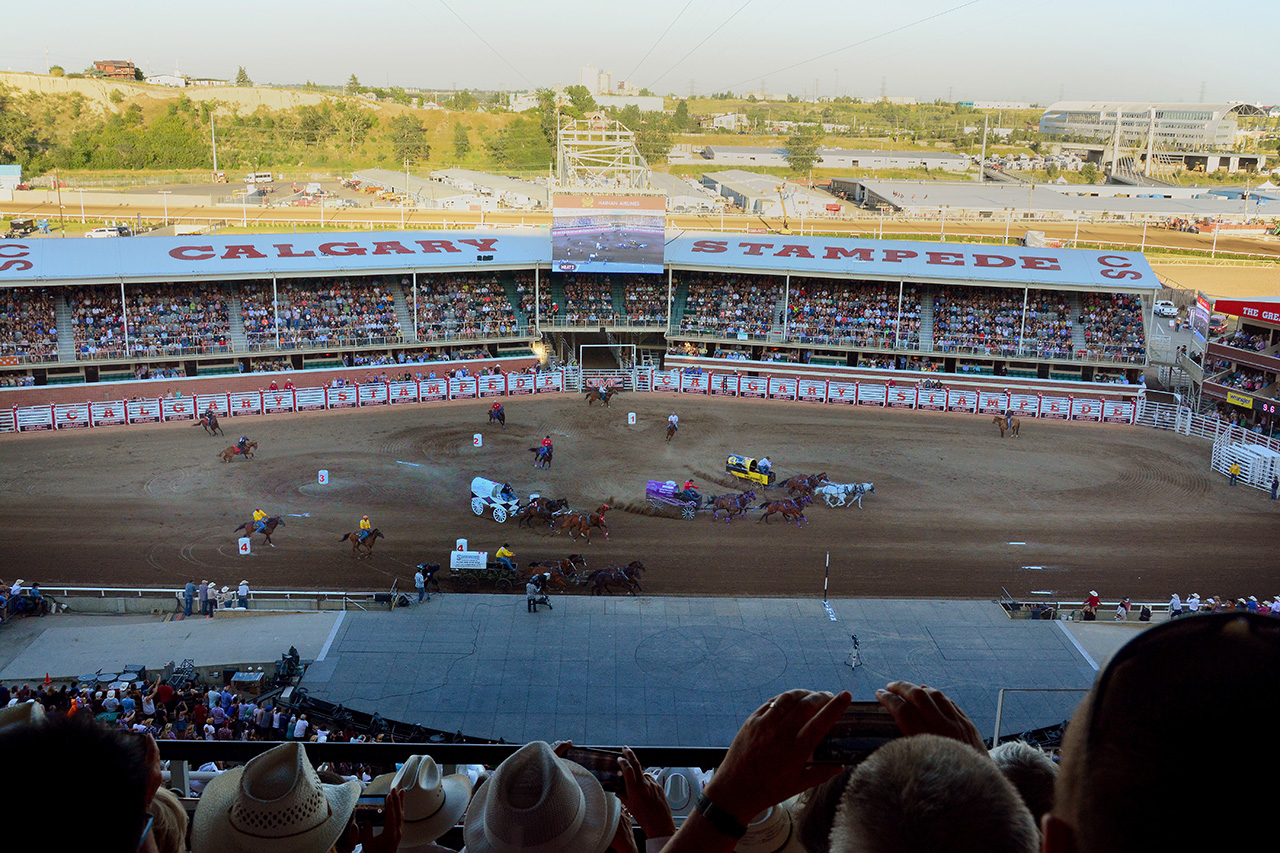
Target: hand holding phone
(600, 763)
(861, 729)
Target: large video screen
(607, 233)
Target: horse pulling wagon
(660, 494)
(487, 495)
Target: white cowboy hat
(274, 804)
(682, 786)
(29, 713)
(536, 802)
(433, 803)
(771, 831)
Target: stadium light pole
(81, 205)
(164, 193)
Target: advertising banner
(402, 392)
(992, 403)
(1118, 411)
(246, 403)
(71, 415)
(463, 389)
(782, 389)
(753, 386)
(812, 390)
(694, 383)
(431, 390)
(519, 383)
(220, 403)
(178, 408)
(492, 386)
(962, 401)
(373, 394)
(277, 401)
(30, 418)
(1055, 407)
(109, 413)
(1026, 405)
(871, 394)
(143, 411)
(933, 399)
(724, 384)
(310, 399)
(842, 392)
(667, 381)
(1086, 409)
(549, 382)
(900, 398)
(340, 398)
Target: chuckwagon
(746, 468)
(487, 495)
(468, 568)
(660, 494)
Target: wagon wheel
(499, 514)
(653, 503)
(477, 506)
(468, 582)
(503, 584)
(688, 511)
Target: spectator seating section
(725, 305)
(462, 305)
(29, 324)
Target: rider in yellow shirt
(259, 520)
(365, 527)
(504, 556)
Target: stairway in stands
(619, 300)
(779, 314)
(509, 288)
(553, 286)
(66, 331)
(678, 301)
(926, 318)
(239, 343)
(404, 312)
(1077, 328)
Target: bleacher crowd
(28, 324)
(729, 305)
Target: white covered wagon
(487, 495)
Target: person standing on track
(1235, 472)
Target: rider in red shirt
(546, 442)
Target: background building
(1176, 127)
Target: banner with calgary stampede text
(71, 416)
(109, 413)
(374, 394)
(343, 397)
(782, 388)
(842, 392)
(492, 386)
(402, 392)
(1058, 408)
(218, 402)
(30, 418)
(694, 383)
(178, 408)
(519, 383)
(811, 390)
(465, 388)
(144, 411)
(871, 394)
(548, 382)
(310, 399)
(724, 384)
(667, 381)
(753, 386)
(993, 403)
(962, 401)
(1086, 409)
(277, 401)
(900, 398)
(1025, 405)
(931, 399)
(246, 403)
(433, 390)
(1118, 411)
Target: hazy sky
(1025, 50)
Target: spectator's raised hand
(924, 710)
(644, 798)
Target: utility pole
(213, 141)
(982, 167)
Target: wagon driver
(690, 493)
(504, 556)
(764, 464)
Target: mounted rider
(674, 420)
(242, 444)
(259, 521)
(366, 527)
(209, 414)
(496, 409)
(547, 449)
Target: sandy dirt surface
(1127, 511)
(1232, 282)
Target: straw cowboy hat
(433, 803)
(771, 831)
(682, 786)
(537, 802)
(29, 713)
(274, 804)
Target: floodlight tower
(599, 153)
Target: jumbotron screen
(607, 233)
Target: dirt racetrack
(957, 512)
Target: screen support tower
(599, 153)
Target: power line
(485, 43)
(858, 43)
(659, 41)
(701, 43)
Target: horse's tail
(345, 537)
(761, 506)
(241, 527)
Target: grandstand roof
(247, 256)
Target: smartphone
(600, 763)
(370, 810)
(864, 727)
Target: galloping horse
(500, 415)
(844, 494)
(210, 423)
(1014, 425)
(231, 452)
(268, 527)
(576, 525)
(790, 509)
(804, 485)
(596, 519)
(671, 431)
(543, 458)
(601, 578)
(541, 508)
(604, 395)
(733, 504)
(356, 544)
(569, 569)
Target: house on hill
(117, 69)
